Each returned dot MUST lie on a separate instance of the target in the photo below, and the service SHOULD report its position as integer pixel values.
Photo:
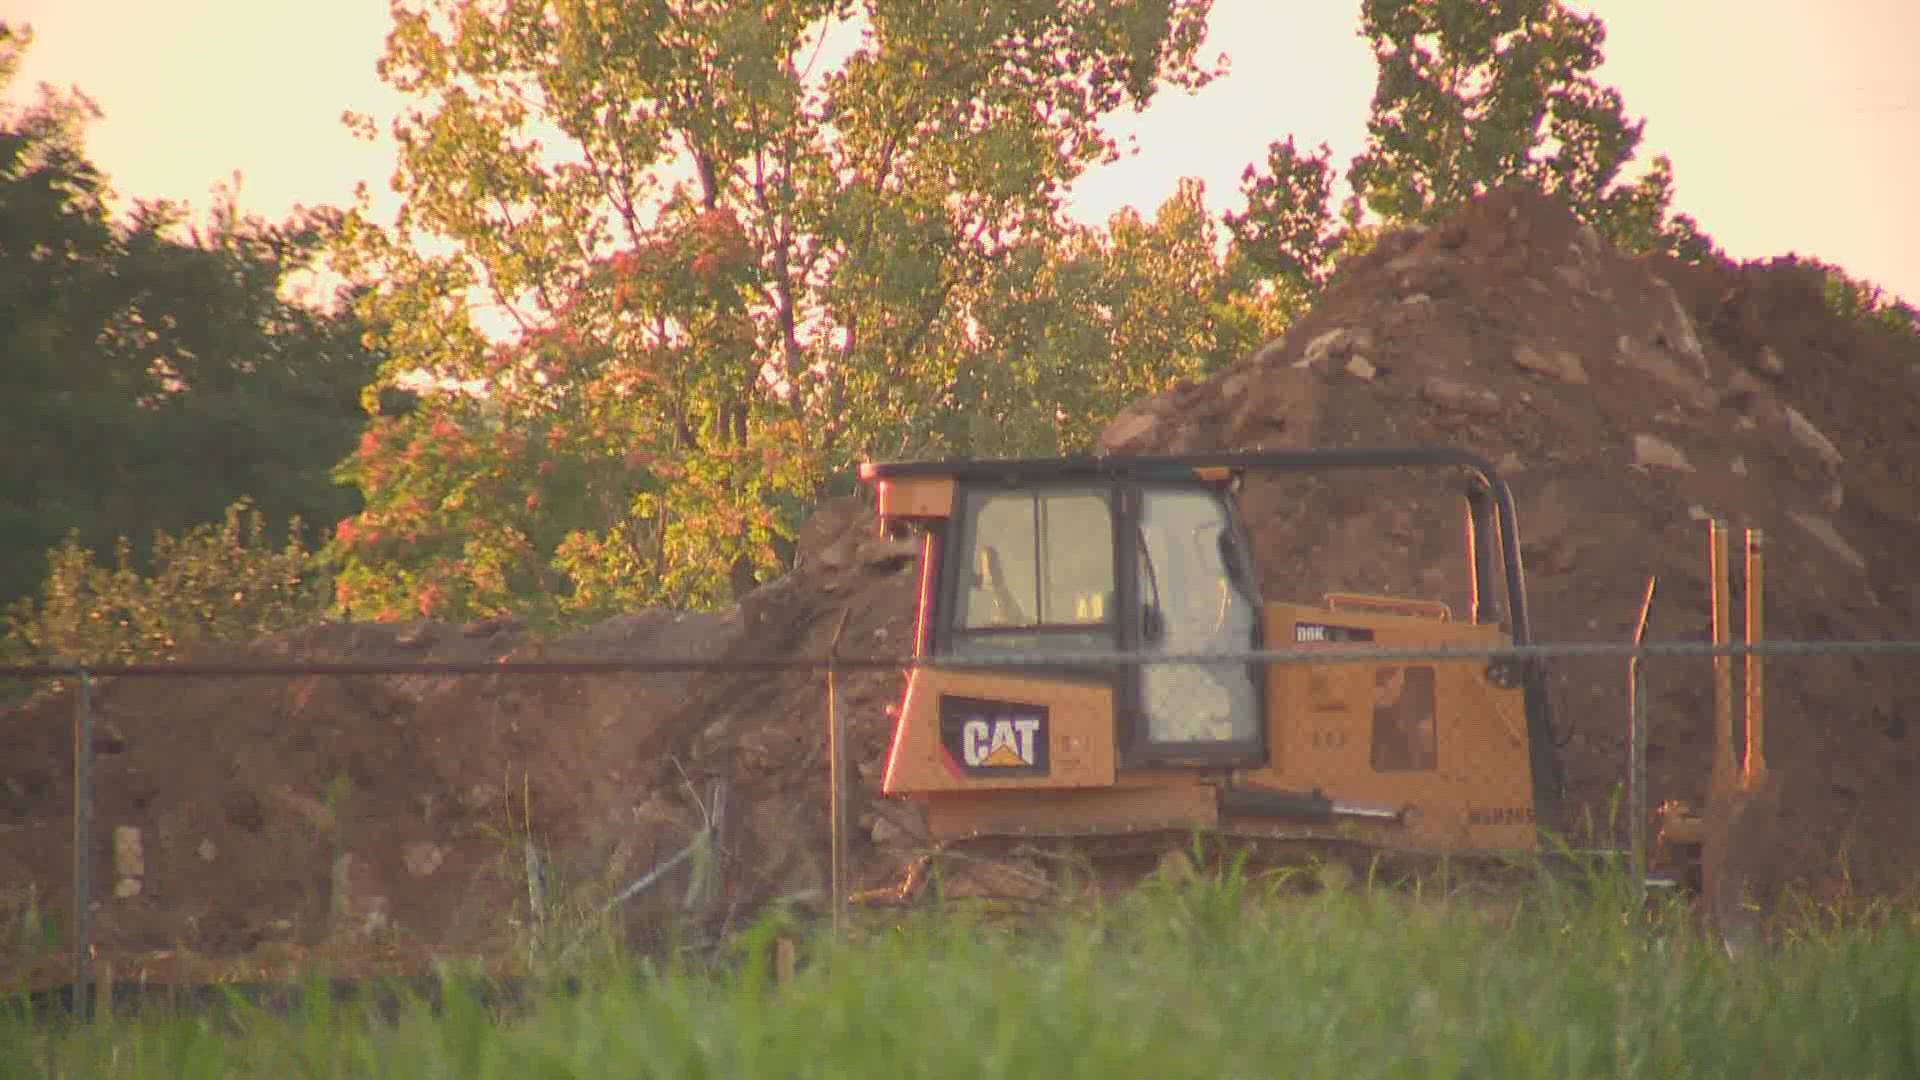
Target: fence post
(1755, 769)
(1725, 763)
(837, 781)
(82, 841)
(1637, 750)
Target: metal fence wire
(84, 677)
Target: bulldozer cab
(1088, 641)
(1072, 567)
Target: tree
(1067, 332)
(1288, 233)
(719, 264)
(1472, 94)
(250, 394)
(151, 374)
(61, 402)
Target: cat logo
(1004, 742)
(998, 738)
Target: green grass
(1207, 979)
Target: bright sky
(1793, 126)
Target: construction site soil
(1627, 399)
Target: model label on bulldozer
(1313, 633)
(999, 738)
(1500, 815)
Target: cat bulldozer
(1086, 672)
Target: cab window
(1036, 563)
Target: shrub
(213, 583)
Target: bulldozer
(1093, 667)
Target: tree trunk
(740, 577)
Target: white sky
(1794, 126)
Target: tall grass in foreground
(1204, 979)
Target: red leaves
(628, 379)
(689, 262)
(719, 246)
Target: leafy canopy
(669, 266)
(1067, 332)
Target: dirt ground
(1627, 400)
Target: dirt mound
(765, 735)
(347, 808)
(1627, 400)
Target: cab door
(1031, 572)
(1191, 597)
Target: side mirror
(1153, 625)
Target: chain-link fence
(237, 801)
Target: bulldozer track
(1042, 868)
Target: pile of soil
(1626, 399)
(346, 810)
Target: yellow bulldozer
(1087, 670)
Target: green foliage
(1288, 232)
(1873, 307)
(1472, 95)
(151, 374)
(1064, 334)
(212, 583)
(249, 394)
(60, 403)
(723, 248)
